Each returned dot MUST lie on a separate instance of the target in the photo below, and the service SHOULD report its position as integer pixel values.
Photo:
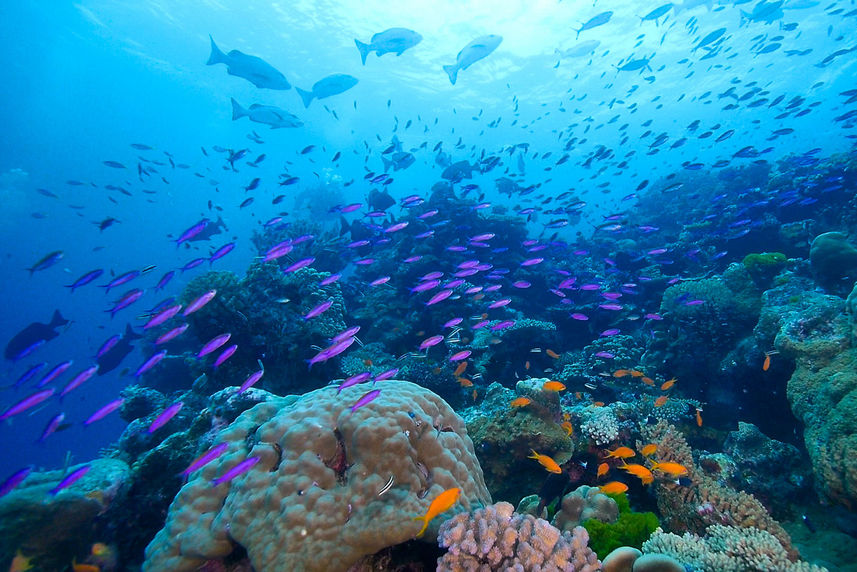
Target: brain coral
(316, 499)
(497, 538)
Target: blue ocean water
(111, 116)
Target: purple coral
(497, 538)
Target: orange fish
(598, 403)
(644, 474)
(568, 427)
(648, 381)
(649, 450)
(549, 464)
(521, 402)
(670, 468)
(441, 503)
(20, 563)
(767, 363)
(699, 417)
(602, 469)
(636, 373)
(76, 567)
(668, 384)
(367, 362)
(613, 488)
(552, 354)
(661, 400)
(475, 394)
(465, 382)
(553, 386)
(578, 395)
(621, 373)
(527, 365)
(621, 453)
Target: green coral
(764, 266)
(630, 529)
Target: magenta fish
(462, 355)
(126, 300)
(302, 263)
(78, 380)
(605, 355)
(236, 471)
(499, 303)
(365, 399)
(30, 374)
(479, 325)
(104, 411)
(192, 232)
(396, 227)
(453, 322)
(221, 252)
(612, 307)
(425, 286)
(429, 342)
(580, 317)
(213, 344)
(354, 380)
(14, 480)
(330, 279)
(150, 363)
(205, 458)
(379, 281)
(27, 403)
(70, 480)
(107, 345)
(171, 335)
(57, 371)
(502, 325)
(532, 261)
(387, 374)
(318, 310)
(165, 416)
(347, 333)
(250, 381)
(609, 332)
(439, 297)
(278, 251)
(225, 355)
(162, 316)
(521, 284)
(199, 302)
(52, 427)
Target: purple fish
(302, 263)
(605, 355)
(482, 237)
(27, 403)
(396, 227)
(221, 252)
(502, 325)
(86, 279)
(162, 316)
(425, 286)
(425, 234)
(694, 302)
(193, 264)
(453, 322)
(466, 272)
(653, 316)
(332, 351)
(172, 334)
(165, 416)
(30, 373)
(379, 281)
(150, 363)
(14, 480)
(365, 399)
(330, 279)
(46, 261)
(250, 381)
(351, 208)
(192, 231)
(165, 279)
(428, 214)
(225, 355)
(580, 317)
(387, 374)
(462, 355)
(126, 300)
(364, 261)
(473, 290)
(121, 279)
(453, 284)
(429, 342)
(52, 426)
(493, 287)
(235, 471)
(354, 380)
(70, 480)
(278, 251)
(609, 332)
(213, 344)
(318, 310)
(499, 303)
(107, 345)
(521, 284)
(439, 297)
(412, 259)
(199, 302)
(613, 307)
(532, 261)
(590, 287)
(347, 333)
(78, 380)
(57, 371)
(206, 458)
(357, 244)
(479, 325)
(104, 411)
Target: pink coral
(497, 538)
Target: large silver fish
(268, 114)
(331, 85)
(472, 53)
(252, 68)
(394, 40)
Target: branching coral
(497, 538)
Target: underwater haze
(582, 227)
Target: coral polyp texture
(331, 485)
(498, 538)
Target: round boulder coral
(333, 481)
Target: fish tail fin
(216, 57)
(237, 111)
(452, 72)
(425, 525)
(129, 333)
(387, 163)
(57, 320)
(364, 50)
(306, 96)
(576, 37)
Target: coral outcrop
(333, 482)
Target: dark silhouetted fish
(254, 69)
(32, 336)
(111, 359)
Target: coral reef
(727, 549)
(833, 260)
(600, 426)
(332, 483)
(697, 500)
(629, 529)
(497, 538)
(582, 504)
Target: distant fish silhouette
(33, 336)
(111, 359)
